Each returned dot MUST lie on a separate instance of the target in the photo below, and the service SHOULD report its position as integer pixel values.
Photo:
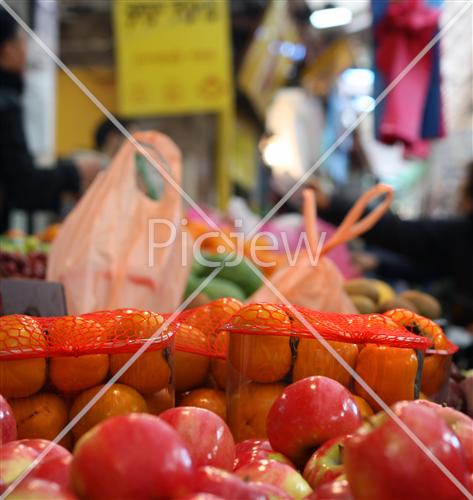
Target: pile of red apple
(318, 447)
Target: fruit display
(52, 368)
(262, 411)
(189, 453)
(23, 256)
(376, 296)
(269, 348)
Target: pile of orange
(46, 395)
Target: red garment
(405, 30)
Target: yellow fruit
(363, 304)
(149, 373)
(22, 377)
(40, 416)
(118, 400)
(248, 409)
(425, 304)
(385, 291)
(362, 286)
(210, 399)
(71, 374)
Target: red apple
(281, 475)
(202, 496)
(16, 456)
(205, 434)
(382, 461)
(271, 491)
(460, 423)
(252, 450)
(334, 490)
(326, 464)
(222, 483)
(131, 456)
(39, 489)
(308, 413)
(7, 422)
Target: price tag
(32, 297)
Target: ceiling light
(331, 17)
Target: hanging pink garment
(406, 29)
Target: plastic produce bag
(116, 248)
(319, 284)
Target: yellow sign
(173, 56)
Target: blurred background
(254, 92)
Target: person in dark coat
(22, 184)
(445, 246)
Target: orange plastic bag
(319, 285)
(109, 254)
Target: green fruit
(31, 243)
(242, 273)
(219, 288)
(192, 283)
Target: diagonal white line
(71, 424)
(450, 23)
(365, 386)
(212, 224)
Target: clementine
(190, 369)
(149, 373)
(74, 374)
(314, 359)
(249, 407)
(21, 377)
(43, 415)
(118, 400)
(263, 357)
(160, 401)
(76, 331)
(209, 399)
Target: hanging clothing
(412, 111)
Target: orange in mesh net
(206, 320)
(259, 319)
(122, 330)
(438, 359)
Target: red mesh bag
(197, 330)
(438, 358)
(380, 329)
(122, 330)
(84, 352)
(270, 346)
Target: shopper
(444, 245)
(22, 184)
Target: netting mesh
(198, 330)
(421, 325)
(272, 319)
(122, 330)
(204, 330)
